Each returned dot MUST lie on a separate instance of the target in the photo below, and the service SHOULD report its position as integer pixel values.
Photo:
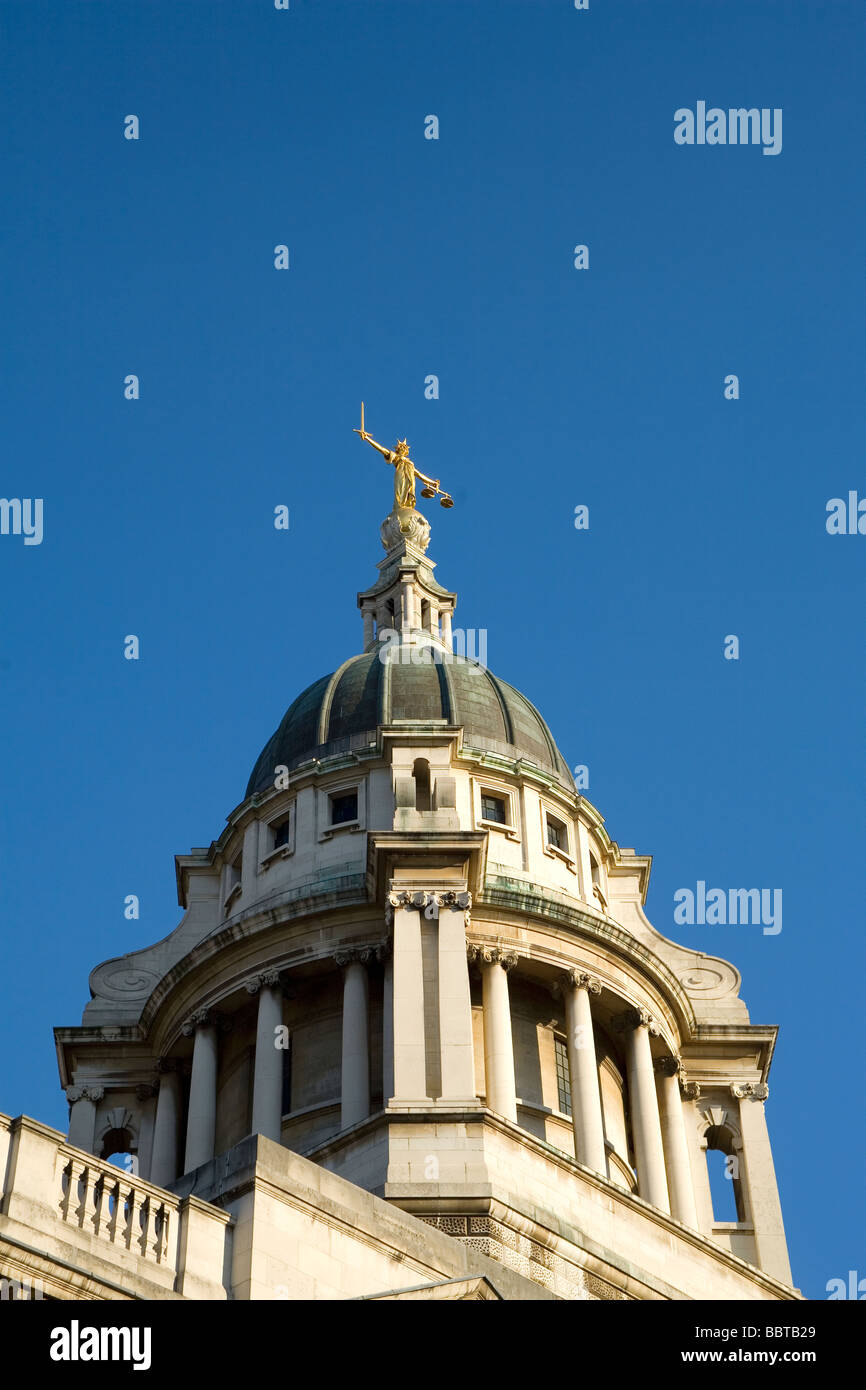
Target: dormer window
(344, 808)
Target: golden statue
(405, 474)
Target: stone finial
(396, 532)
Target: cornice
(600, 930)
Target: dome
(344, 711)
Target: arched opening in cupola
(117, 1149)
(421, 774)
(723, 1167)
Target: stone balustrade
(102, 1200)
(103, 1224)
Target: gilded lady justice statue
(404, 477)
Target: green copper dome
(344, 711)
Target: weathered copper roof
(345, 710)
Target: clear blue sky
(558, 387)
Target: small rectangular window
(563, 1080)
(494, 808)
(344, 808)
(557, 835)
(281, 832)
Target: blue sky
(557, 387)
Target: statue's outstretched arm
(386, 453)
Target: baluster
(102, 1215)
(117, 1227)
(149, 1235)
(133, 1232)
(159, 1229)
(69, 1187)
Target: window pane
(555, 833)
(281, 833)
(563, 1084)
(493, 808)
(344, 808)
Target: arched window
(723, 1166)
(421, 773)
(117, 1150)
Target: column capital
(581, 979)
(670, 1065)
(164, 1065)
(749, 1090)
(146, 1090)
(85, 1092)
(636, 1018)
(349, 955)
(492, 955)
(203, 1018)
(574, 979)
(264, 979)
(429, 903)
(691, 1090)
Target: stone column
(166, 1130)
(637, 1024)
(676, 1150)
(201, 1121)
(268, 1071)
(355, 1072)
(408, 604)
(368, 626)
(456, 1048)
(762, 1193)
(409, 1064)
(445, 621)
(500, 1086)
(586, 1115)
(82, 1115)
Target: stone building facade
(414, 1036)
